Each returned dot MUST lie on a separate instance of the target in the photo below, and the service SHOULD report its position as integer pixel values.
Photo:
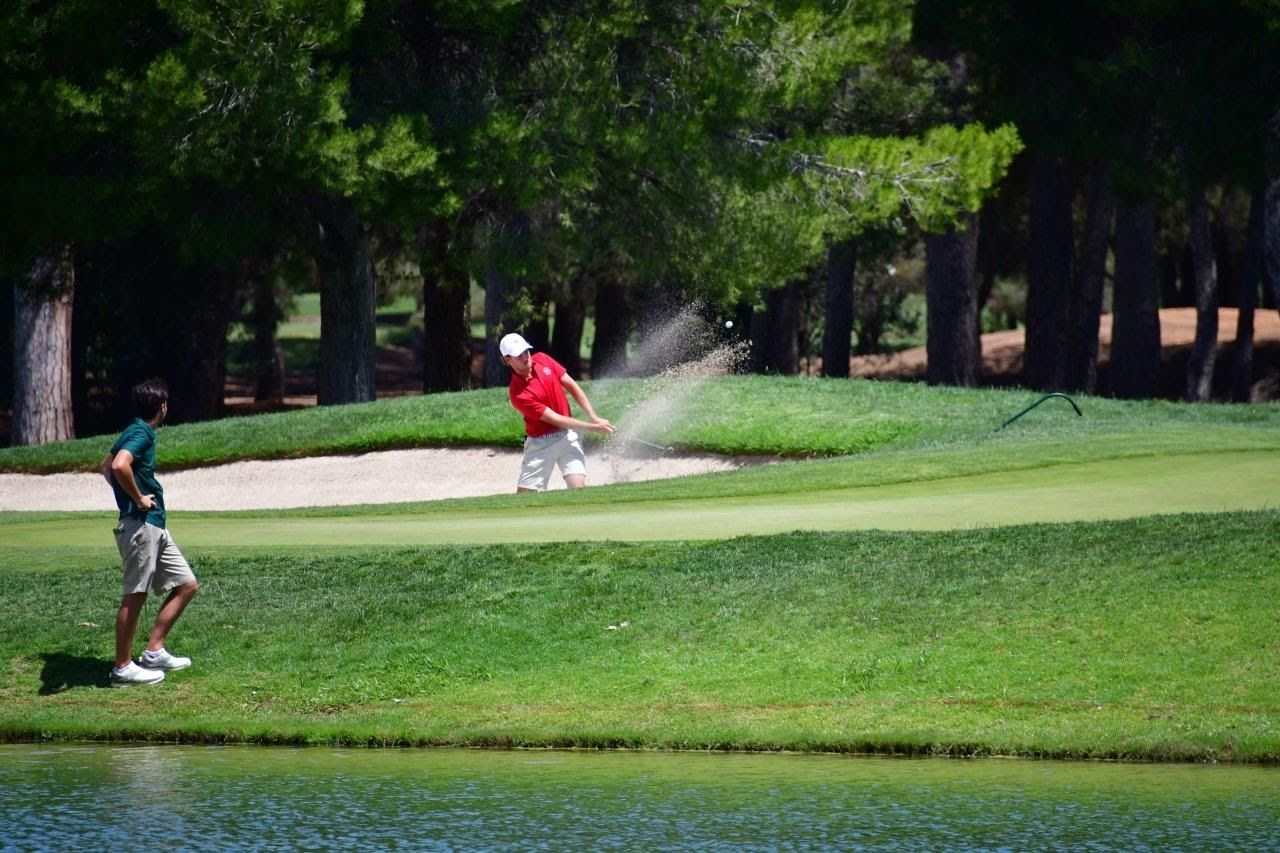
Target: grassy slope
(1153, 638)
(737, 414)
(1082, 491)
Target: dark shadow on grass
(63, 671)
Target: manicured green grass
(1149, 638)
(1153, 637)
(733, 414)
(1091, 490)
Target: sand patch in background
(391, 476)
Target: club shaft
(630, 437)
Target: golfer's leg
(126, 624)
(535, 467)
(138, 544)
(573, 461)
(172, 573)
(172, 608)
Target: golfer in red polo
(537, 391)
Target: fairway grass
(783, 416)
(1096, 587)
(1153, 638)
(1115, 488)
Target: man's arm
(575, 391)
(561, 422)
(105, 469)
(122, 468)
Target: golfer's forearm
(580, 396)
(124, 476)
(562, 422)
(585, 405)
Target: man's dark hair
(149, 396)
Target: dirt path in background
(372, 478)
(1002, 351)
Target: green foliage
(862, 182)
(66, 175)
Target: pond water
(219, 798)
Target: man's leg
(536, 465)
(174, 573)
(573, 461)
(126, 624)
(177, 601)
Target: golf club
(630, 437)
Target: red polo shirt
(541, 390)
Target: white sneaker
(162, 660)
(132, 675)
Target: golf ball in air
(728, 324)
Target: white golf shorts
(541, 454)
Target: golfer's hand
(147, 502)
(601, 425)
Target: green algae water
(263, 798)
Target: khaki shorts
(541, 454)
(151, 559)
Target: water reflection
(206, 798)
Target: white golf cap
(513, 344)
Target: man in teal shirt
(151, 559)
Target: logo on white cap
(513, 345)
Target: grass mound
(729, 414)
(1149, 638)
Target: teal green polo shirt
(140, 440)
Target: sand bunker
(390, 476)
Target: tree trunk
(498, 284)
(198, 391)
(1081, 372)
(537, 327)
(1168, 272)
(268, 357)
(1135, 331)
(1205, 272)
(992, 247)
(1050, 263)
(344, 264)
(42, 351)
(504, 254)
(609, 347)
(1228, 263)
(842, 259)
(566, 337)
(775, 343)
(954, 344)
(446, 315)
(1250, 282)
(1271, 240)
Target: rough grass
(1149, 638)
(1154, 638)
